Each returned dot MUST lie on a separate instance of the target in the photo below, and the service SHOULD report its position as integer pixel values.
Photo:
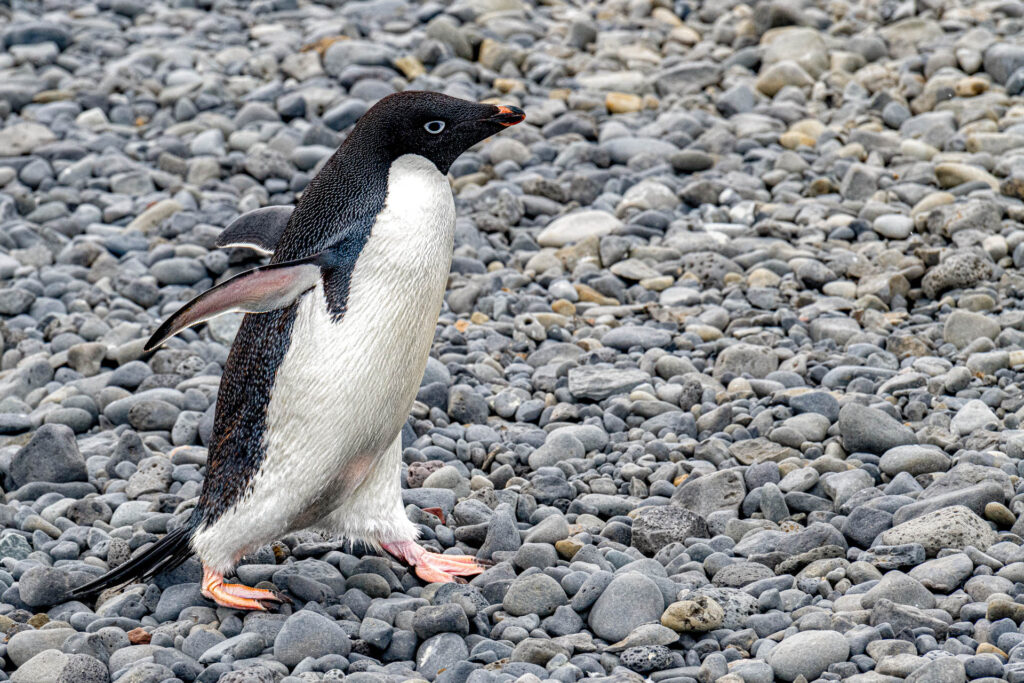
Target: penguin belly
(344, 388)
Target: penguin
(327, 361)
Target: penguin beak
(507, 116)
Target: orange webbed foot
(235, 595)
(436, 567)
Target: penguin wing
(260, 229)
(255, 291)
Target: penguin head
(432, 125)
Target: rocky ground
(726, 384)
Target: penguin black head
(432, 125)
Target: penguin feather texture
(344, 390)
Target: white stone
(577, 226)
(974, 416)
(893, 226)
(647, 194)
(22, 138)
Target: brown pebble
(139, 636)
(587, 293)
(989, 648)
(38, 620)
(567, 547)
(1001, 608)
(563, 307)
(999, 514)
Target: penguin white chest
(344, 389)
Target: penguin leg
(374, 512)
(435, 567)
(235, 595)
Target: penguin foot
(235, 595)
(435, 567)
(438, 568)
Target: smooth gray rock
(943, 575)
(871, 430)
(43, 586)
(941, 670)
(914, 460)
(51, 455)
(46, 667)
(597, 383)
(722, 490)
(740, 359)
(535, 594)
(25, 645)
(901, 589)
(439, 653)
(808, 654)
(308, 634)
(630, 600)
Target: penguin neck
(341, 202)
(412, 233)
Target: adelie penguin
(326, 365)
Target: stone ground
(727, 383)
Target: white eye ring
(434, 127)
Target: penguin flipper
(259, 230)
(259, 290)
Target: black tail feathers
(164, 555)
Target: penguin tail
(164, 555)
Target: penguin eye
(434, 127)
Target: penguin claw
(443, 572)
(436, 567)
(225, 599)
(235, 595)
(240, 591)
(431, 575)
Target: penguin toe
(235, 595)
(435, 567)
(431, 575)
(225, 599)
(239, 591)
(440, 568)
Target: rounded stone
(535, 594)
(808, 654)
(308, 634)
(914, 460)
(630, 600)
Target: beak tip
(509, 116)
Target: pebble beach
(726, 385)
